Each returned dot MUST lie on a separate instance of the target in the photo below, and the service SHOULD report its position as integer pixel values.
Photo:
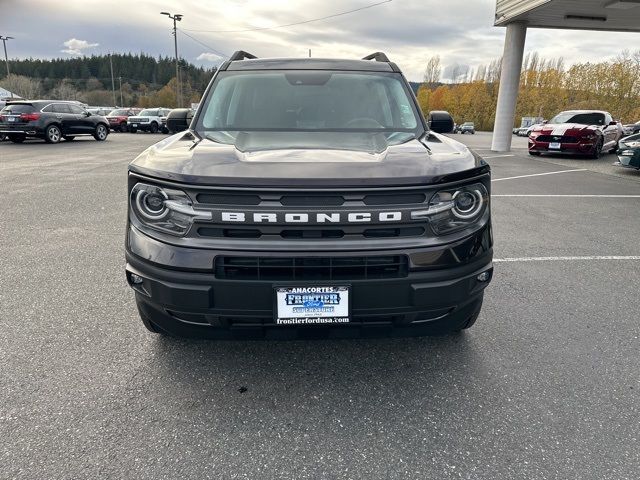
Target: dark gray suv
(309, 198)
(51, 120)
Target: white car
(148, 120)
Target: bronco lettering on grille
(324, 217)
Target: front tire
(123, 127)
(52, 134)
(597, 150)
(534, 153)
(154, 127)
(101, 132)
(133, 130)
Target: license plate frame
(555, 146)
(312, 311)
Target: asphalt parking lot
(545, 386)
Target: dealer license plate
(135, 125)
(312, 305)
(11, 119)
(554, 146)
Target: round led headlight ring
(467, 203)
(151, 204)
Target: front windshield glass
(148, 113)
(309, 109)
(580, 118)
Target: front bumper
(629, 158)
(438, 297)
(580, 148)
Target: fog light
(135, 279)
(484, 276)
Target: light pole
(121, 101)
(6, 58)
(113, 84)
(176, 17)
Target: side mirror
(179, 119)
(87, 114)
(440, 121)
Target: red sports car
(576, 132)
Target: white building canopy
(610, 15)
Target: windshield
(115, 113)
(468, 124)
(148, 113)
(591, 118)
(305, 106)
(18, 108)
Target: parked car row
(56, 120)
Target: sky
(461, 32)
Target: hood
(187, 158)
(566, 129)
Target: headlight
(164, 209)
(455, 209)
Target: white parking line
(568, 196)
(565, 259)
(498, 156)
(539, 174)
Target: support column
(509, 85)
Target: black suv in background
(309, 197)
(51, 120)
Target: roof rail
(377, 56)
(241, 55)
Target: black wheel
(123, 127)
(473, 133)
(3, 137)
(101, 132)
(154, 127)
(16, 138)
(133, 130)
(534, 153)
(68, 138)
(149, 325)
(472, 319)
(52, 134)
(474, 316)
(597, 151)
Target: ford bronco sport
(309, 198)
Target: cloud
(209, 57)
(77, 47)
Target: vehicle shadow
(317, 376)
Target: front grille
(556, 138)
(313, 233)
(311, 268)
(372, 201)
(312, 200)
